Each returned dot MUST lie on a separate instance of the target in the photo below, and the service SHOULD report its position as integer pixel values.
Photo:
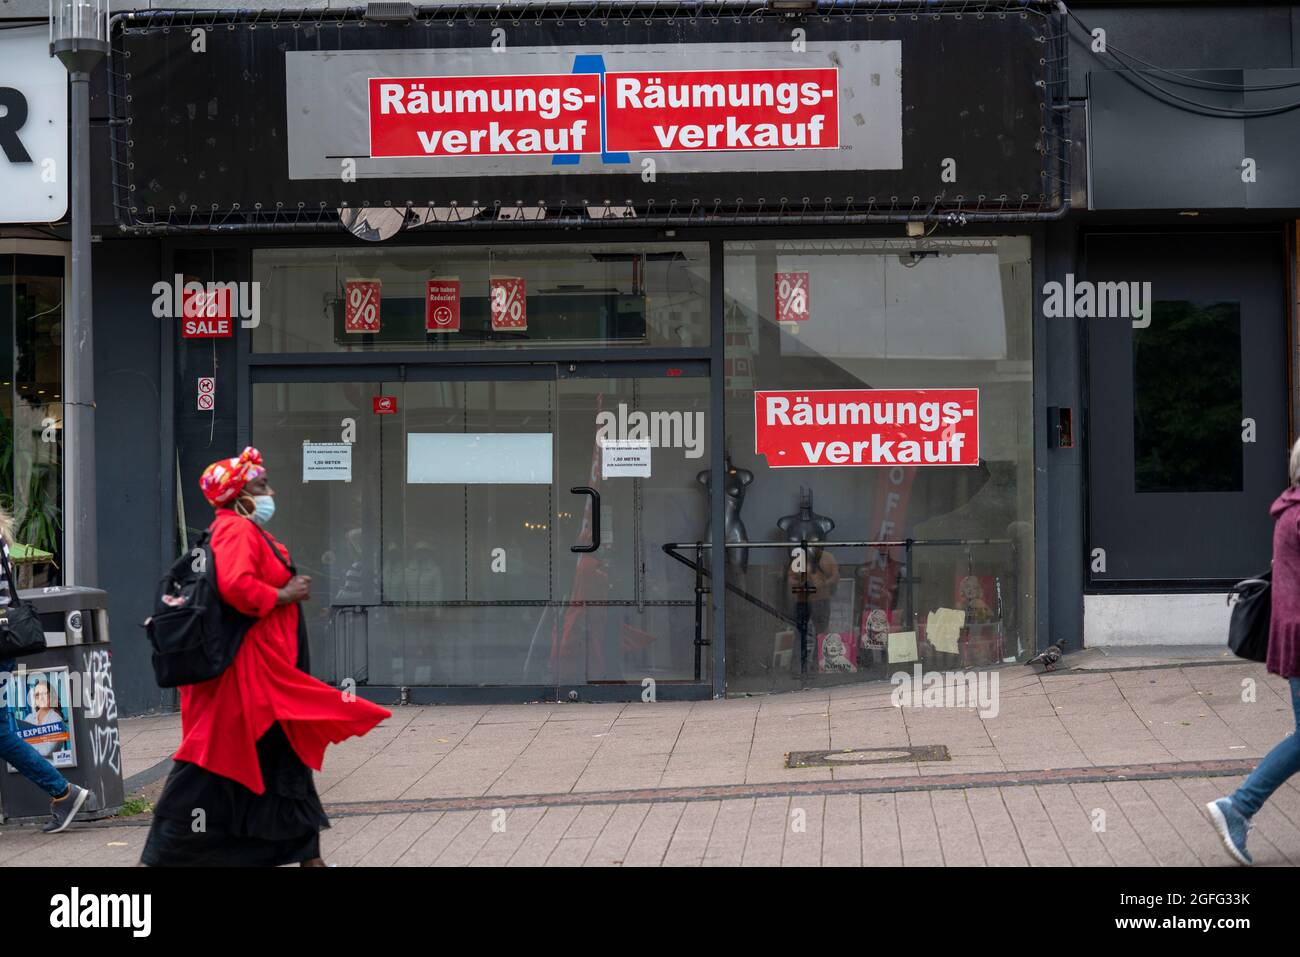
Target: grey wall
(1060, 372)
(1198, 36)
(128, 421)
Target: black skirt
(206, 820)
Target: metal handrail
(804, 589)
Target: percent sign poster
(361, 305)
(792, 297)
(509, 309)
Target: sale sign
(692, 111)
(206, 314)
(384, 404)
(442, 305)
(485, 115)
(361, 305)
(792, 297)
(509, 304)
(867, 427)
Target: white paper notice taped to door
(625, 458)
(327, 462)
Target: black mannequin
(734, 484)
(814, 585)
(806, 525)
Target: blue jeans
(23, 756)
(1278, 765)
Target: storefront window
(1187, 399)
(879, 315)
(438, 520)
(31, 410)
(448, 298)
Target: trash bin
(69, 689)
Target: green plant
(41, 523)
(6, 463)
(135, 805)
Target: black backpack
(1251, 614)
(194, 634)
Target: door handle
(595, 518)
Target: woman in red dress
(241, 790)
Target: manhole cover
(843, 756)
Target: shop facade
(34, 266)
(750, 385)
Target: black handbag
(21, 632)
(1252, 610)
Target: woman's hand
(296, 589)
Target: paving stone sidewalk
(1049, 780)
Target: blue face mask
(263, 509)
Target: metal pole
(699, 606)
(79, 390)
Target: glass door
(503, 525)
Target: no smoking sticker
(207, 393)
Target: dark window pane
(1187, 405)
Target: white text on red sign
(867, 427)
(704, 110)
(645, 112)
(485, 115)
(361, 305)
(792, 297)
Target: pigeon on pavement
(1049, 657)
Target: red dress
(222, 719)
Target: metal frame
(1054, 203)
(56, 249)
(1158, 225)
(557, 363)
(518, 363)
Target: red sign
(206, 314)
(361, 305)
(485, 115)
(384, 404)
(707, 110)
(880, 572)
(442, 305)
(867, 427)
(792, 297)
(509, 304)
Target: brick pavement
(705, 783)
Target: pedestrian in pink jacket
(1231, 815)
